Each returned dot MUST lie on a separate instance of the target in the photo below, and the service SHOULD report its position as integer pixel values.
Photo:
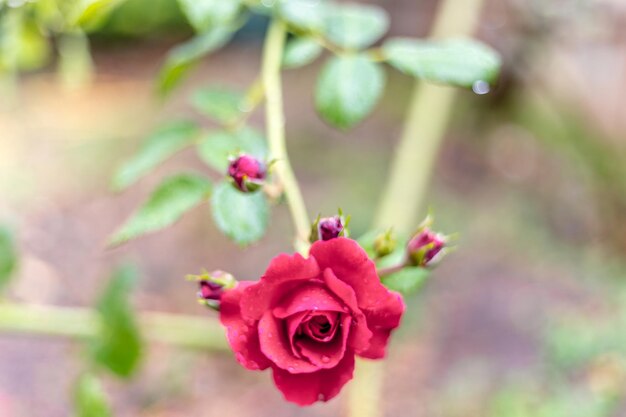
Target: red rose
(307, 318)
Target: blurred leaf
(22, 44)
(406, 281)
(300, 52)
(306, 15)
(184, 56)
(165, 17)
(92, 14)
(8, 256)
(205, 14)
(118, 347)
(162, 144)
(355, 26)
(34, 49)
(217, 147)
(166, 205)
(241, 216)
(90, 400)
(347, 89)
(219, 103)
(460, 62)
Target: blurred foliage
(8, 257)
(90, 400)
(348, 89)
(167, 203)
(119, 347)
(165, 18)
(162, 144)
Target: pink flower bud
(426, 247)
(247, 173)
(210, 291)
(211, 287)
(329, 228)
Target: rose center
(321, 327)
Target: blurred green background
(526, 318)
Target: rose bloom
(307, 318)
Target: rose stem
(173, 329)
(411, 169)
(275, 124)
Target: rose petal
(350, 263)
(323, 385)
(381, 322)
(377, 348)
(360, 334)
(388, 313)
(327, 355)
(293, 323)
(276, 346)
(242, 334)
(309, 297)
(284, 271)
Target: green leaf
(8, 257)
(460, 62)
(241, 216)
(348, 89)
(406, 281)
(183, 57)
(90, 400)
(355, 26)
(162, 144)
(300, 52)
(219, 103)
(306, 15)
(166, 205)
(118, 347)
(216, 148)
(92, 14)
(205, 14)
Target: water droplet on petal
(325, 359)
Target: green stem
(411, 170)
(178, 330)
(275, 120)
(415, 157)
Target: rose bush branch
(84, 323)
(275, 121)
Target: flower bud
(384, 244)
(426, 248)
(210, 291)
(211, 286)
(247, 173)
(329, 228)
